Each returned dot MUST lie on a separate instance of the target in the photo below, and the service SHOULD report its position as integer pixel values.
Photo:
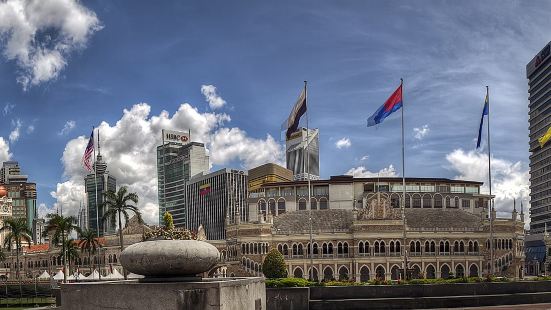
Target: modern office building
(538, 72)
(303, 167)
(6, 205)
(178, 160)
(22, 192)
(95, 196)
(217, 199)
(268, 173)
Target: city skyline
(132, 70)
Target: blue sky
(81, 64)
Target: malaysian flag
(87, 158)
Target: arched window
(285, 250)
(456, 247)
(417, 201)
(281, 206)
(279, 248)
(461, 247)
(313, 204)
(476, 247)
(323, 205)
(471, 248)
(339, 248)
(395, 273)
(345, 248)
(408, 201)
(382, 247)
(300, 249)
(431, 272)
(367, 248)
(272, 207)
(391, 247)
(416, 272)
(295, 250)
(473, 271)
(343, 274)
(380, 272)
(438, 201)
(459, 271)
(427, 201)
(361, 248)
(445, 272)
(395, 201)
(456, 202)
(302, 204)
(330, 248)
(364, 274)
(313, 272)
(297, 273)
(376, 247)
(262, 208)
(315, 249)
(328, 274)
(448, 202)
(398, 248)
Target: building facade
(178, 160)
(96, 185)
(302, 154)
(217, 199)
(6, 205)
(538, 72)
(22, 192)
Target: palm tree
(117, 205)
(89, 242)
(18, 232)
(62, 227)
(71, 251)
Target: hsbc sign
(176, 136)
(538, 60)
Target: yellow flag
(545, 138)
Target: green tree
(71, 252)
(89, 242)
(117, 206)
(61, 227)
(274, 265)
(168, 221)
(18, 232)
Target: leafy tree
(168, 221)
(18, 232)
(61, 227)
(2, 255)
(274, 265)
(88, 242)
(117, 206)
(71, 252)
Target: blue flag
(485, 111)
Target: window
(313, 204)
(323, 205)
(412, 188)
(465, 203)
(383, 188)
(272, 192)
(471, 189)
(427, 188)
(437, 201)
(302, 204)
(280, 206)
(416, 201)
(457, 189)
(456, 202)
(321, 190)
(302, 191)
(396, 188)
(287, 191)
(443, 188)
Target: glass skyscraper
(105, 182)
(295, 154)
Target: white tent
(59, 275)
(71, 278)
(44, 275)
(93, 276)
(134, 276)
(81, 276)
(116, 275)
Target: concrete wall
(287, 298)
(210, 294)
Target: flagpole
(309, 185)
(492, 269)
(96, 199)
(403, 183)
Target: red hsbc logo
(184, 138)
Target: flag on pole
(545, 138)
(87, 157)
(392, 104)
(294, 118)
(485, 111)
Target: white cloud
(362, 172)
(15, 133)
(509, 180)
(128, 146)
(8, 108)
(30, 129)
(39, 35)
(343, 143)
(44, 210)
(69, 125)
(4, 150)
(214, 100)
(365, 157)
(421, 132)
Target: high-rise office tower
(300, 143)
(538, 72)
(178, 160)
(95, 196)
(22, 192)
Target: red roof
(37, 248)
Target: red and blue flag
(392, 104)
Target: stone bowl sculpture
(169, 258)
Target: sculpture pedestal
(208, 294)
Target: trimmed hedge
(273, 266)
